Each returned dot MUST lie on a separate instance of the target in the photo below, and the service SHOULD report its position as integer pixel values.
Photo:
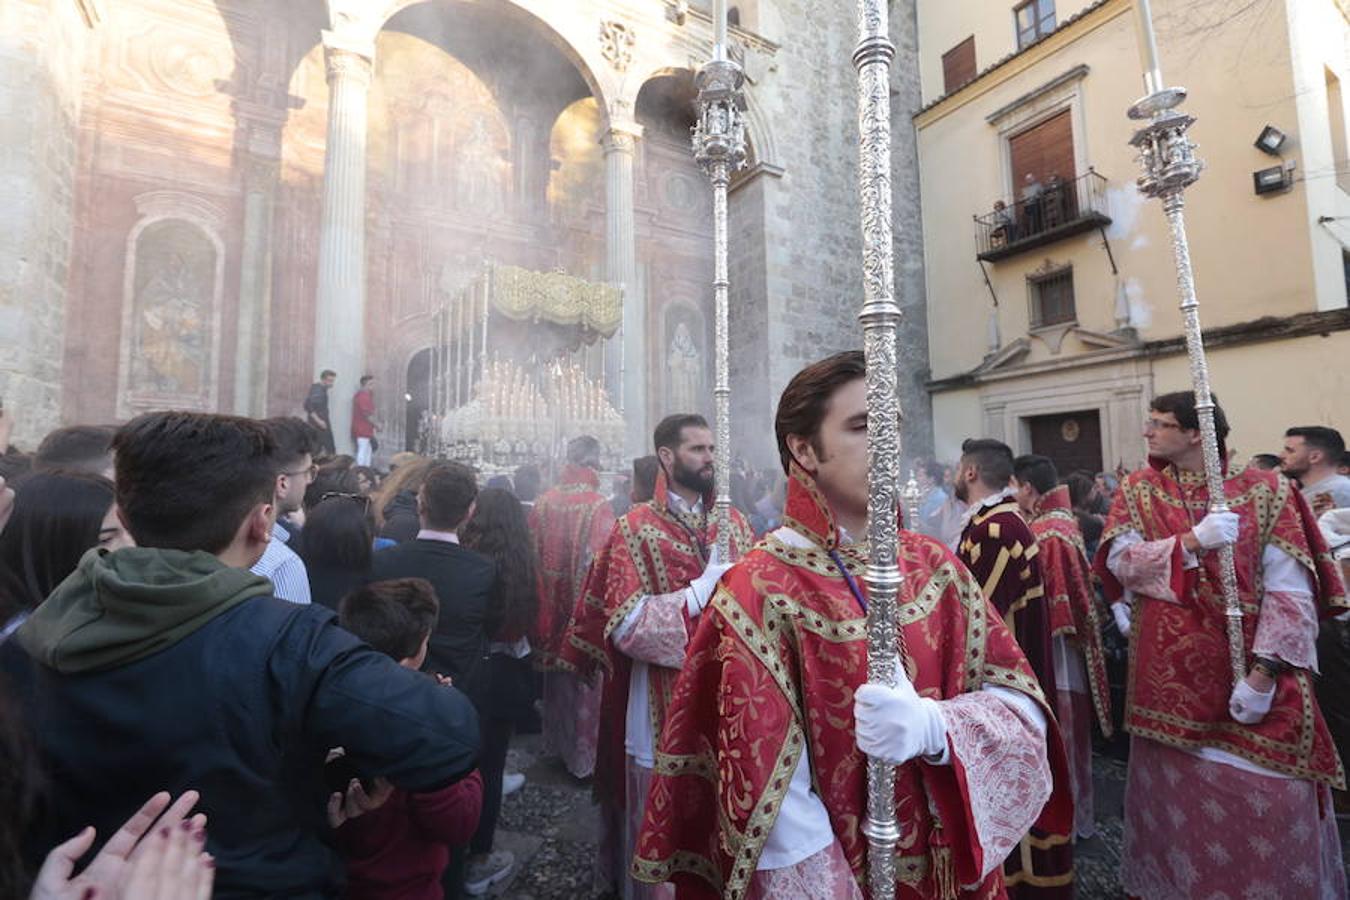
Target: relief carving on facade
(616, 44)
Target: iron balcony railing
(1048, 212)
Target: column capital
(345, 57)
(621, 136)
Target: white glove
(1248, 705)
(701, 588)
(1216, 529)
(896, 724)
(1120, 611)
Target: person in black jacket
(168, 666)
(465, 583)
(316, 411)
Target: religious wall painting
(437, 136)
(171, 316)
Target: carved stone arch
(552, 19)
(172, 305)
(761, 147)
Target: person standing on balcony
(1031, 205)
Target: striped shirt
(286, 570)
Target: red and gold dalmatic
(570, 524)
(771, 675)
(1067, 574)
(1179, 680)
(651, 550)
(1075, 618)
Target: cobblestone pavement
(552, 827)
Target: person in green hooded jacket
(168, 666)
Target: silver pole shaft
(722, 350)
(880, 315)
(719, 148)
(1169, 165)
(1173, 206)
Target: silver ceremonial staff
(879, 318)
(719, 148)
(1170, 166)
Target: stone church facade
(215, 200)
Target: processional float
(719, 148)
(508, 382)
(1170, 166)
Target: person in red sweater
(363, 421)
(397, 843)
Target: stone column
(620, 144)
(340, 308)
(253, 342)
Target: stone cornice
(1267, 328)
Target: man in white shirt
(294, 460)
(1312, 454)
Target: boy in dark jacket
(168, 666)
(399, 850)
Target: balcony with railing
(1060, 209)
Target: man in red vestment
(1000, 550)
(363, 420)
(1075, 623)
(760, 787)
(1227, 792)
(637, 612)
(570, 524)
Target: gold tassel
(944, 872)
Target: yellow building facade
(1051, 289)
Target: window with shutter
(958, 65)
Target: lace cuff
(1151, 568)
(1287, 629)
(655, 631)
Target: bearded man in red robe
(760, 786)
(1228, 785)
(570, 524)
(1075, 623)
(642, 599)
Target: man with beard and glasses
(760, 788)
(633, 622)
(1000, 550)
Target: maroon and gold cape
(771, 675)
(1180, 677)
(1072, 602)
(651, 550)
(570, 524)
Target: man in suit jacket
(463, 579)
(464, 583)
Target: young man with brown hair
(168, 666)
(1244, 768)
(1075, 623)
(401, 848)
(634, 620)
(760, 788)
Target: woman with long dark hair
(498, 530)
(336, 546)
(57, 517)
